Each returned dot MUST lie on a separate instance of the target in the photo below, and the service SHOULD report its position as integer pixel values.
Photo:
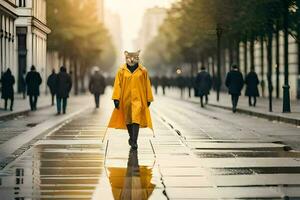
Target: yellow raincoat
(133, 90)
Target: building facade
(31, 33)
(152, 20)
(8, 16)
(112, 22)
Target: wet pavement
(195, 154)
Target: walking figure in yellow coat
(132, 96)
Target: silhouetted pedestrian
(7, 90)
(234, 82)
(63, 88)
(252, 83)
(214, 82)
(203, 85)
(155, 83)
(164, 84)
(51, 83)
(180, 83)
(33, 82)
(97, 85)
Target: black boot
(130, 140)
(135, 134)
(201, 102)
(5, 104)
(234, 109)
(11, 104)
(206, 99)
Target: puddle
(268, 154)
(231, 171)
(133, 182)
(65, 167)
(214, 155)
(277, 170)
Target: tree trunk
(262, 62)
(298, 56)
(269, 74)
(230, 52)
(219, 52)
(245, 57)
(64, 57)
(298, 53)
(207, 63)
(252, 64)
(213, 65)
(190, 84)
(75, 77)
(202, 60)
(82, 77)
(237, 44)
(82, 81)
(277, 62)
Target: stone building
(32, 31)
(8, 16)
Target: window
(19, 176)
(19, 181)
(22, 3)
(19, 172)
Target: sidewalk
(261, 110)
(19, 135)
(21, 106)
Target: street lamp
(178, 71)
(286, 88)
(219, 31)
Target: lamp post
(219, 31)
(286, 88)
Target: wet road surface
(195, 154)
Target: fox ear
(126, 53)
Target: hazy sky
(131, 13)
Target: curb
(261, 115)
(21, 112)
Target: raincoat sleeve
(149, 89)
(117, 87)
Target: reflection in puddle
(133, 183)
(19, 181)
(69, 165)
(64, 166)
